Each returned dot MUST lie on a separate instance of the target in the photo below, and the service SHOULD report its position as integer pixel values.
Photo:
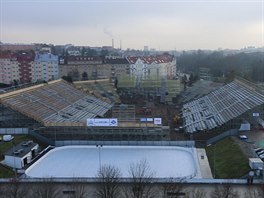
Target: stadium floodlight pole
(99, 147)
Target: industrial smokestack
(113, 45)
(120, 44)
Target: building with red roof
(25, 66)
(147, 66)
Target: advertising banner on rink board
(143, 119)
(146, 119)
(157, 121)
(149, 119)
(102, 122)
(113, 122)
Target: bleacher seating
(102, 89)
(220, 106)
(198, 89)
(57, 103)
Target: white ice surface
(83, 161)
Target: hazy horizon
(167, 25)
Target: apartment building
(25, 61)
(95, 67)
(46, 67)
(117, 67)
(76, 66)
(152, 66)
(16, 67)
(9, 70)
(26, 66)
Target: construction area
(158, 90)
(58, 110)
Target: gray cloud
(165, 25)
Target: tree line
(246, 65)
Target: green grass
(261, 143)
(6, 172)
(150, 83)
(174, 86)
(173, 83)
(126, 82)
(230, 162)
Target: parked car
(258, 149)
(8, 138)
(243, 137)
(260, 152)
(261, 156)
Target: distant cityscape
(41, 62)
(24, 63)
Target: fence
(127, 180)
(127, 143)
(228, 133)
(41, 138)
(14, 131)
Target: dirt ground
(167, 113)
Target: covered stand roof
(56, 103)
(220, 106)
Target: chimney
(113, 45)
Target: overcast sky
(164, 25)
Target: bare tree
(108, 182)
(254, 192)
(197, 193)
(78, 189)
(15, 189)
(173, 187)
(45, 189)
(224, 191)
(2, 190)
(141, 180)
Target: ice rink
(84, 161)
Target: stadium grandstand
(102, 89)
(57, 111)
(198, 90)
(56, 103)
(238, 99)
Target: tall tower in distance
(113, 44)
